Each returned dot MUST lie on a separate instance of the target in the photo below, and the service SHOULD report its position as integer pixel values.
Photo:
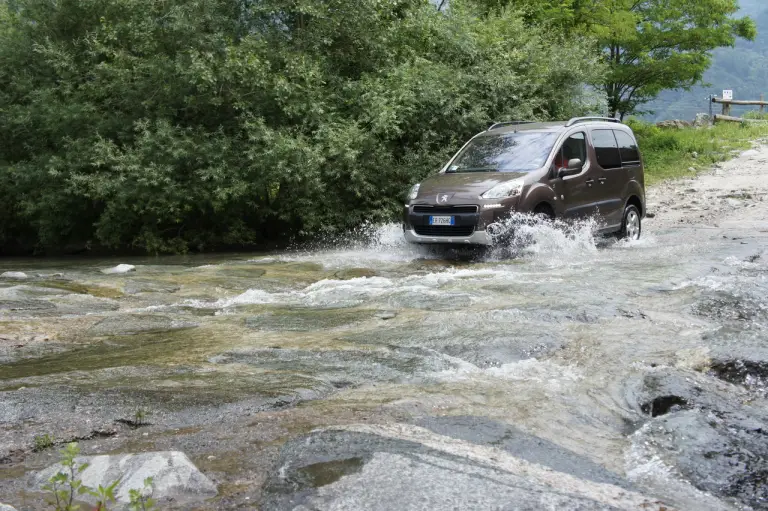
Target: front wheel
(631, 226)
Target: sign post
(727, 96)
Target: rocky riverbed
(579, 374)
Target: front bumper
(476, 238)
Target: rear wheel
(631, 226)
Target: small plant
(141, 500)
(141, 416)
(66, 485)
(43, 442)
(104, 495)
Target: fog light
(494, 229)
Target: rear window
(606, 149)
(627, 148)
(506, 152)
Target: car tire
(631, 224)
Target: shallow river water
(576, 373)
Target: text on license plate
(441, 220)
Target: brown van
(584, 167)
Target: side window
(628, 149)
(606, 149)
(574, 146)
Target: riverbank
(674, 153)
(579, 374)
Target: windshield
(506, 152)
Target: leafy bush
(178, 125)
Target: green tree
(193, 124)
(648, 45)
(655, 45)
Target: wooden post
(726, 109)
(762, 98)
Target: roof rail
(577, 120)
(507, 123)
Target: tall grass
(671, 153)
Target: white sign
(728, 95)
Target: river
(573, 373)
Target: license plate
(441, 220)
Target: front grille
(444, 210)
(444, 230)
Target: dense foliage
(193, 124)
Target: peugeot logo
(443, 198)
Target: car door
(631, 165)
(610, 178)
(576, 193)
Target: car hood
(465, 184)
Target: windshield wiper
(475, 169)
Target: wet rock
(650, 215)
(370, 467)
(353, 367)
(660, 390)
(751, 374)
(720, 454)
(305, 320)
(26, 305)
(13, 275)
(484, 431)
(497, 352)
(385, 315)
(130, 324)
(148, 286)
(84, 304)
(484, 340)
(663, 405)
(120, 268)
(731, 307)
(174, 476)
(354, 273)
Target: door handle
(589, 182)
(602, 180)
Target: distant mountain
(744, 69)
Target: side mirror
(574, 167)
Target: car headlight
(414, 192)
(506, 189)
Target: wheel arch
(634, 200)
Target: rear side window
(606, 149)
(628, 149)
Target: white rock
(16, 275)
(174, 476)
(6, 507)
(120, 268)
(752, 153)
